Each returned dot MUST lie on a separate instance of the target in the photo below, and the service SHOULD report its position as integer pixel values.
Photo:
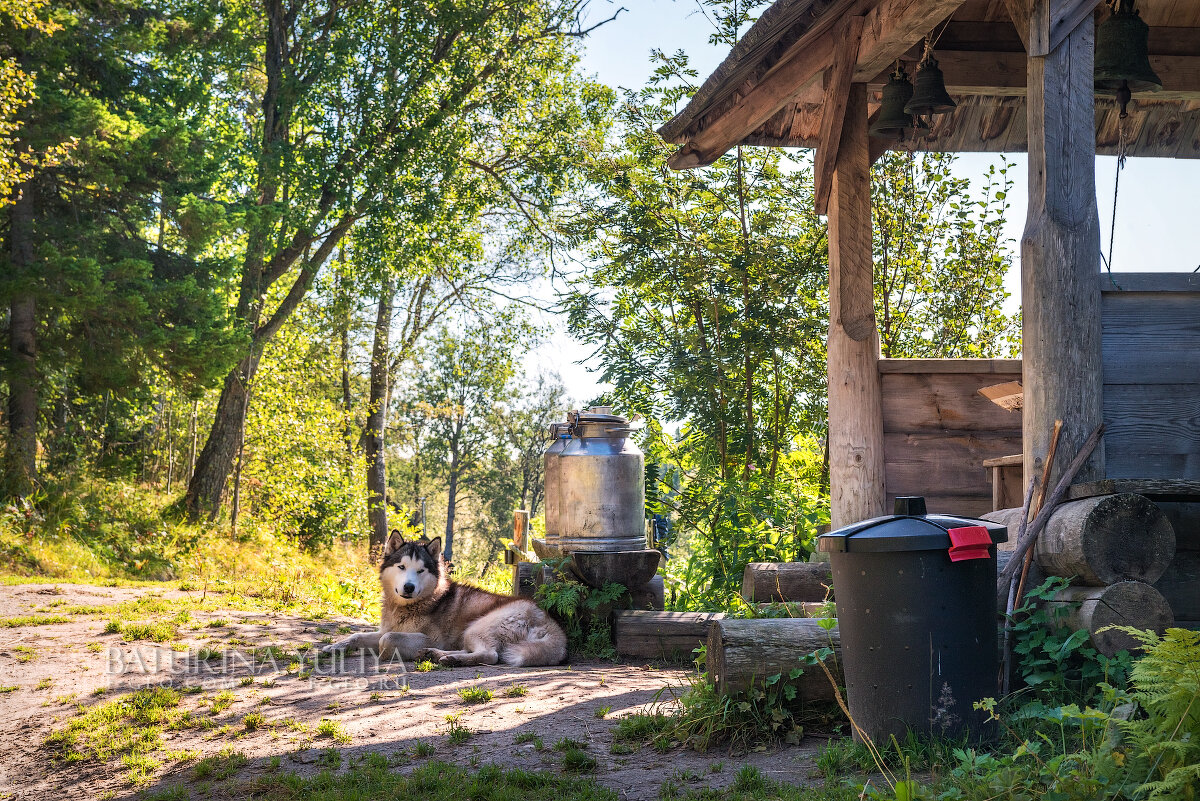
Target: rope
(1122, 154)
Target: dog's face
(410, 570)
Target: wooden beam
(1019, 12)
(890, 28)
(1004, 74)
(893, 26)
(1052, 22)
(855, 444)
(1060, 254)
(833, 111)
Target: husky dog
(425, 615)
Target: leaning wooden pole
(856, 479)
(1060, 250)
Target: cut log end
(1128, 603)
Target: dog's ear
(394, 542)
(434, 546)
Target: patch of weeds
(516, 691)
(67, 699)
(253, 721)
(44, 684)
(576, 760)
(641, 727)
(128, 726)
(329, 759)
(749, 780)
(602, 712)
(567, 743)
(427, 666)
(456, 730)
(475, 695)
(217, 623)
(529, 738)
(95, 647)
(155, 631)
(9, 688)
(422, 750)
(274, 763)
(32, 620)
(24, 653)
(333, 730)
(291, 724)
(219, 766)
(621, 749)
(168, 794)
(112, 627)
(246, 681)
(222, 701)
(141, 768)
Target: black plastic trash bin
(916, 601)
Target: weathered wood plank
(1149, 282)
(943, 402)
(927, 366)
(951, 464)
(973, 505)
(1153, 431)
(1151, 338)
(1156, 489)
(1060, 253)
(856, 481)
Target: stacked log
(1180, 583)
(764, 582)
(1113, 548)
(743, 652)
(667, 636)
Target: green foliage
(1163, 746)
(581, 610)
(1059, 665)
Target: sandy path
(53, 669)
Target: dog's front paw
(335, 647)
(448, 660)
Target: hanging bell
(893, 122)
(929, 91)
(1123, 55)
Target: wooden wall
(938, 429)
(1151, 347)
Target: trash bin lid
(914, 531)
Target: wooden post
(856, 477)
(1060, 251)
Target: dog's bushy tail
(544, 646)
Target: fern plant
(1163, 748)
(581, 610)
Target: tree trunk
(215, 462)
(669, 636)
(1096, 609)
(451, 503)
(21, 456)
(373, 435)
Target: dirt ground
(57, 668)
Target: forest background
(271, 273)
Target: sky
(1157, 206)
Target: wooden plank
(1151, 338)
(893, 26)
(1060, 254)
(1008, 485)
(916, 464)
(856, 480)
(1003, 461)
(995, 366)
(943, 402)
(1171, 489)
(1153, 431)
(1019, 12)
(833, 113)
(1064, 19)
(1009, 395)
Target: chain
(1123, 126)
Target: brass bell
(929, 92)
(893, 122)
(1123, 55)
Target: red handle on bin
(969, 542)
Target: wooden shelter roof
(769, 90)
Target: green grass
(528, 737)
(128, 729)
(475, 695)
(219, 766)
(253, 721)
(32, 620)
(24, 653)
(427, 666)
(222, 701)
(9, 688)
(153, 630)
(422, 750)
(516, 691)
(567, 743)
(456, 731)
(333, 730)
(576, 760)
